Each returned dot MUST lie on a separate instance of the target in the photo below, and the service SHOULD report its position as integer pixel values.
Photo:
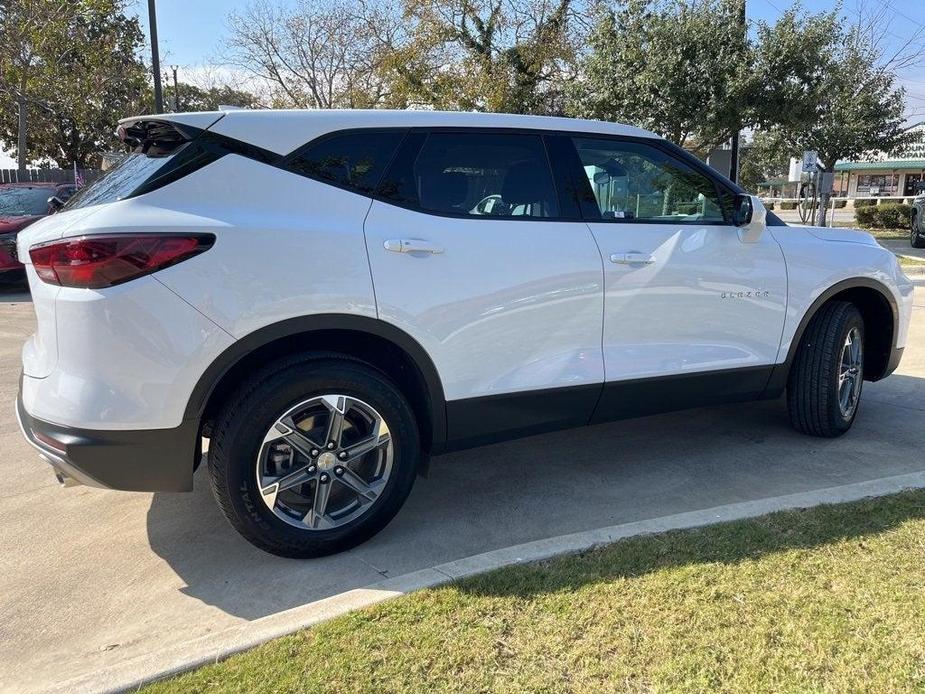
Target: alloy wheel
(850, 373)
(324, 462)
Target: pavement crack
(382, 572)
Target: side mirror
(750, 215)
(54, 204)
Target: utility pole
(155, 59)
(734, 154)
(176, 90)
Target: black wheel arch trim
(781, 372)
(261, 337)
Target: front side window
(476, 174)
(354, 160)
(635, 181)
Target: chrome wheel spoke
(302, 443)
(294, 479)
(367, 492)
(338, 406)
(379, 438)
(850, 372)
(315, 518)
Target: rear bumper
(152, 460)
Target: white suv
(331, 297)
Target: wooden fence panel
(47, 175)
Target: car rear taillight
(94, 262)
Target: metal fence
(46, 175)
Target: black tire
(812, 387)
(915, 237)
(250, 412)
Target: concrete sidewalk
(95, 579)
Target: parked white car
(332, 297)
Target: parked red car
(20, 205)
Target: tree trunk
(22, 155)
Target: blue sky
(191, 34)
(191, 31)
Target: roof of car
(282, 131)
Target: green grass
(890, 234)
(906, 261)
(825, 600)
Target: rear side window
(475, 174)
(354, 160)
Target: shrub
(769, 205)
(887, 216)
(788, 205)
(839, 204)
(864, 202)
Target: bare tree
(492, 55)
(317, 54)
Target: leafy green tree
(842, 102)
(681, 69)
(68, 71)
(763, 159)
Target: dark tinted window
(479, 174)
(121, 181)
(635, 181)
(355, 160)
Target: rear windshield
(24, 201)
(153, 146)
(120, 181)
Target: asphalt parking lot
(91, 577)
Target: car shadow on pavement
(544, 486)
(14, 292)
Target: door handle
(411, 246)
(632, 258)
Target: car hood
(843, 235)
(8, 224)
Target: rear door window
(353, 160)
(479, 174)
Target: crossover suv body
(332, 297)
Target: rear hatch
(161, 149)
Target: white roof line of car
(255, 125)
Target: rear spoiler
(160, 135)
(201, 120)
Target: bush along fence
(48, 175)
(888, 216)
